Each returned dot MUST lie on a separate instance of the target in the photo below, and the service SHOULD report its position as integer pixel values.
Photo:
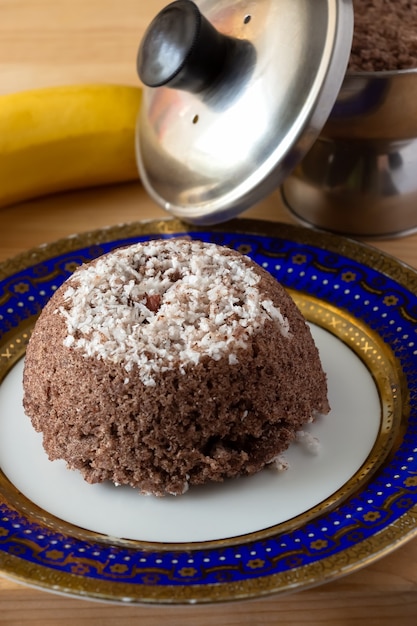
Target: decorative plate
(336, 508)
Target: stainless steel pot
(360, 176)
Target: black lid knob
(181, 49)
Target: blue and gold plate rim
(364, 297)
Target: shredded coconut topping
(311, 443)
(165, 303)
(279, 463)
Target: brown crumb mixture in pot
(385, 35)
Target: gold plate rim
(303, 577)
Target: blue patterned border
(369, 294)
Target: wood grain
(50, 42)
(46, 43)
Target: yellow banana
(60, 138)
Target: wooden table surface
(51, 42)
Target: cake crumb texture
(385, 35)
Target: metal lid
(237, 93)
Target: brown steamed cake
(171, 363)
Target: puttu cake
(171, 363)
